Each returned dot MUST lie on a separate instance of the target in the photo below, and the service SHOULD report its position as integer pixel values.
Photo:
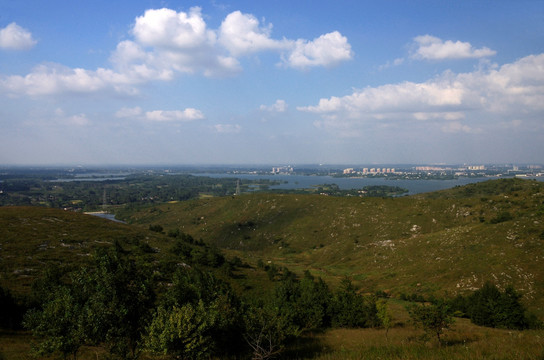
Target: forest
(78, 194)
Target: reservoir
(346, 183)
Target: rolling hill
(446, 242)
(33, 238)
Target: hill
(449, 241)
(33, 238)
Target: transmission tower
(104, 199)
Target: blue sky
(271, 82)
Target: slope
(450, 241)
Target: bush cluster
(492, 307)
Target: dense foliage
(119, 302)
(90, 193)
(78, 193)
(492, 307)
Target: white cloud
(129, 112)
(176, 42)
(432, 48)
(227, 128)
(242, 34)
(49, 79)
(14, 37)
(165, 43)
(188, 114)
(439, 115)
(278, 106)
(326, 50)
(166, 28)
(512, 90)
(396, 62)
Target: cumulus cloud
(227, 128)
(278, 106)
(166, 28)
(165, 43)
(242, 34)
(326, 50)
(14, 37)
(498, 92)
(188, 114)
(429, 47)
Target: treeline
(129, 305)
(134, 189)
(334, 190)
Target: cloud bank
(166, 43)
(513, 90)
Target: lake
(105, 216)
(309, 181)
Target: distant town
(405, 171)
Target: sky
(149, 82)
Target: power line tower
(104, 200)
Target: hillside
(450, 241)
(32, 238)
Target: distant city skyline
(280, 83)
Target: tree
(192, 287)
(384, 315)
(109, 303)
(489, 306)
(266, 331)
(434, 318)
(11, 313)
(305, 302)
(182, 332)
(349, 309)
(59, 324)
(119, 296)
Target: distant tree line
(134, 189)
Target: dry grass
(464, 341)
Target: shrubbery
(491, 307)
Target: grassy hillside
(449, 241)
(32, 238)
